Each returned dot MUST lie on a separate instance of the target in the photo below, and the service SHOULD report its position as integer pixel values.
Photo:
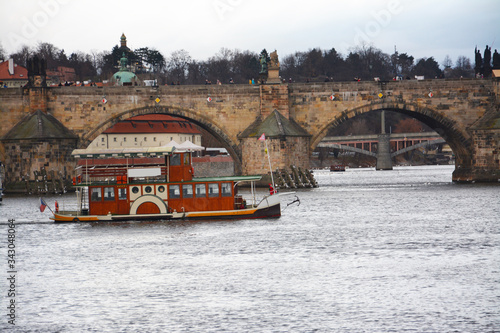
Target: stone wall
(25, 158)
(82, 109)
(282, 153)
(274, 97)
(486, 162)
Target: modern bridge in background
(400, 143)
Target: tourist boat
(158, 183)
(337, 167)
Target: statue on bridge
(36, 72)
(264, 58)
(273, 73)
(496, 60)
(274, 60)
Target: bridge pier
(384, 161)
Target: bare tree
(447, 62)
(21, 56)
(48, 52)
(373, 62)
(177, 65)
(3, 54)
(463, 67)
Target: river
(368, 251)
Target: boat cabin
(156, 180)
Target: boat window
(148, 189)
(96, 194)
(122, 193)
(213, 190)
(201, 190)
(175, 159)
(187, 190)
(135, 189)
(225, 189)
(161, 188)
(174, 192)
(186, 159)
(109, 193)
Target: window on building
(122, 193)
(95, 194)
(135, 139)
(102, 139)
(145, 139)
(213, 190)
(109, 193)
(175, 159)
(174, 192)
(201, 190)
(225, 189)
(187, 190)
(114, 139)
(124, 139)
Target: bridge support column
(384, 161)
(484, 163)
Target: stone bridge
(294, 117)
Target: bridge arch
(457, 138)
(193, 116)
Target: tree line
(364, 62)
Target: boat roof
(123, 152)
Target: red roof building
(12, 75)
(151, 130)
(61, 75)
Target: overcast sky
(421, 28)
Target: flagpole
(41, 199)
(269, 159)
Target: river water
(368, 251)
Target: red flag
(262, 137)
(42, 205)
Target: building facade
(152, 130)
(12, 75)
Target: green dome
(124, 75)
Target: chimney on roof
(11, 66)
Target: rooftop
(39, 125)
(274, 126)
(153, 123)
(12, 71)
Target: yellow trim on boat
(221, 213)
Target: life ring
(272, 190)
(76, 219)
